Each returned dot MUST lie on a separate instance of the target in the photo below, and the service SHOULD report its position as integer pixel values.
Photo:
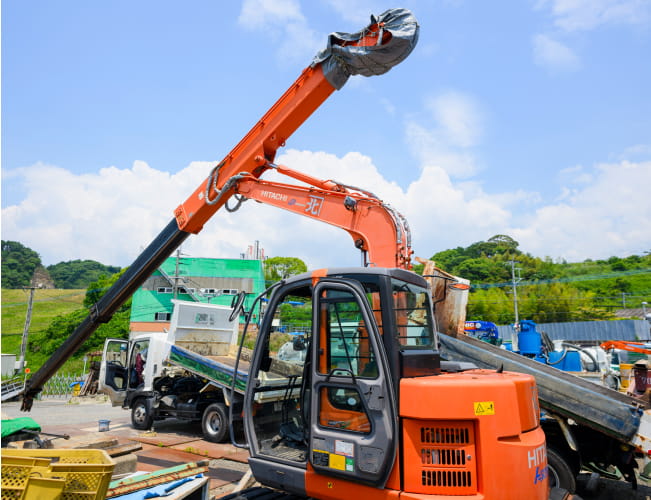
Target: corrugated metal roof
(594, 331)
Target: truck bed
(220, 369)
(588, 403)
(217, 369)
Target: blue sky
(530, 118)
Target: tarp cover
(339, 62)
(14, 425)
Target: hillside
(48, 304)
(21, 266)
(547, 291)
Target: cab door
(353, 417)
(113, 373)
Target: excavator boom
(378, 230)
(389, 39)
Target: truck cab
(130, 365)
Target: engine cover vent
(439, 457)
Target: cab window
(341, 407)
(346, 349)
(413, 316)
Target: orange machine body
(470, 435)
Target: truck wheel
(215, 423)
(141, 417)
(560, 473)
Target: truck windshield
(413, 316)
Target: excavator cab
(333, 412)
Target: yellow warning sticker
(337, 462)
(484, 407)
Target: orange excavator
(370, 409)
(625, 345)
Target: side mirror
(238, 306)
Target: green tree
(76, 274)
(504, 243)
(492, 304)
(63, 326)
(296, 313)
(278, 268)
(18, 264)
(483, 270)
(449, 259)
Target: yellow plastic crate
(55, 474)
(41, 488)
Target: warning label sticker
(332, 460)
(338, 462)
(484, 407)
(344, 448)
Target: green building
(216, 281)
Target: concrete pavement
(171, 442)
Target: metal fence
(60, 386)
(593, 332)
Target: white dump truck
(185, 373)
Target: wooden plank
(123, 449)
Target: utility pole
(176, 273)
(28, 319)
(515, 282)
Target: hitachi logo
(537, 456)
(274, 196)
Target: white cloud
(609, 216)
(260, 14)
(456, 127)
(458, 116)
(112, 215)
(638, 151)
(284, 22)
(580, 15)
(553, 54)
(106, 216)
(575, 175)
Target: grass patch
(47, 305)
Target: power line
(567, 279)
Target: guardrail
(12, 388)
